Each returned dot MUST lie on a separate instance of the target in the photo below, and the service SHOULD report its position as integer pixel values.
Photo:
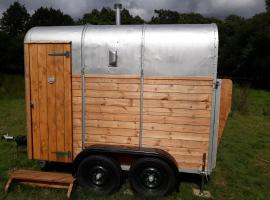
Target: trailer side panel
(176, 114)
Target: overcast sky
(145, 8)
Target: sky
(145, 8)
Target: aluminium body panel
(124, 41)
(59, 34)
(213, 145)
(180, 50)
(169, 50)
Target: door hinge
(216, 84)
(63, 153)
(66, 54)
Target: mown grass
(243, 161)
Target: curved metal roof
(165, 50)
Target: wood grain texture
(42, 179)
(59, 101)
(52, 129)
(35, 100)
(225, 105)
(28, 102)
(51, 113)
(43, 125)
(76, 115)
(186, 124)
(98, 106)
(176, 115)
(68, 103)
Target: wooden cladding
(225, 104)
(48, 102)
(176, 114)
(115, 114)
(179, 125)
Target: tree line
(243, 48)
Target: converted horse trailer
(143, 98)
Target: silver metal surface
(215, 127)
(180, 50)
(125, 167)
(191, 171)
(170, 50)
(54, 34)
(126, 40)
(51, 79)
(141, 86)
(83, 84)
(112, 58)
(212, 150)
(215, 108)
(118, 8)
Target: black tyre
(100, 173)
(152, 177)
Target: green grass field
(243, 163)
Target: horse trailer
(142, 98)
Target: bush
(240, 102)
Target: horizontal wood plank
(176, 114)
(109, 76)
(148, 111)
(147, 103)
(161, 142)
(147, 88)
(147, 118)
(147, 95)
(146, 81)
(146, 126)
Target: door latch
(63, 153)
(66, 54)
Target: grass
(243, 161)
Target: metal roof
(165, 50)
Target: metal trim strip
(216, 126)
(213, 117)
(83, 84)
(142, 85)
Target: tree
(107, 16)
(267, 4)
(14, 19)
(11, 57)
(127, 18)
(49, 17)
(165, 17)
(173, 17)
(96, 17)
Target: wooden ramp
(42, 179)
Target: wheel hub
(151, 178)
(98, 175)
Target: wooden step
(42, 179)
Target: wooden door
(50, 101)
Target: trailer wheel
(100, 173)
(152, 177)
